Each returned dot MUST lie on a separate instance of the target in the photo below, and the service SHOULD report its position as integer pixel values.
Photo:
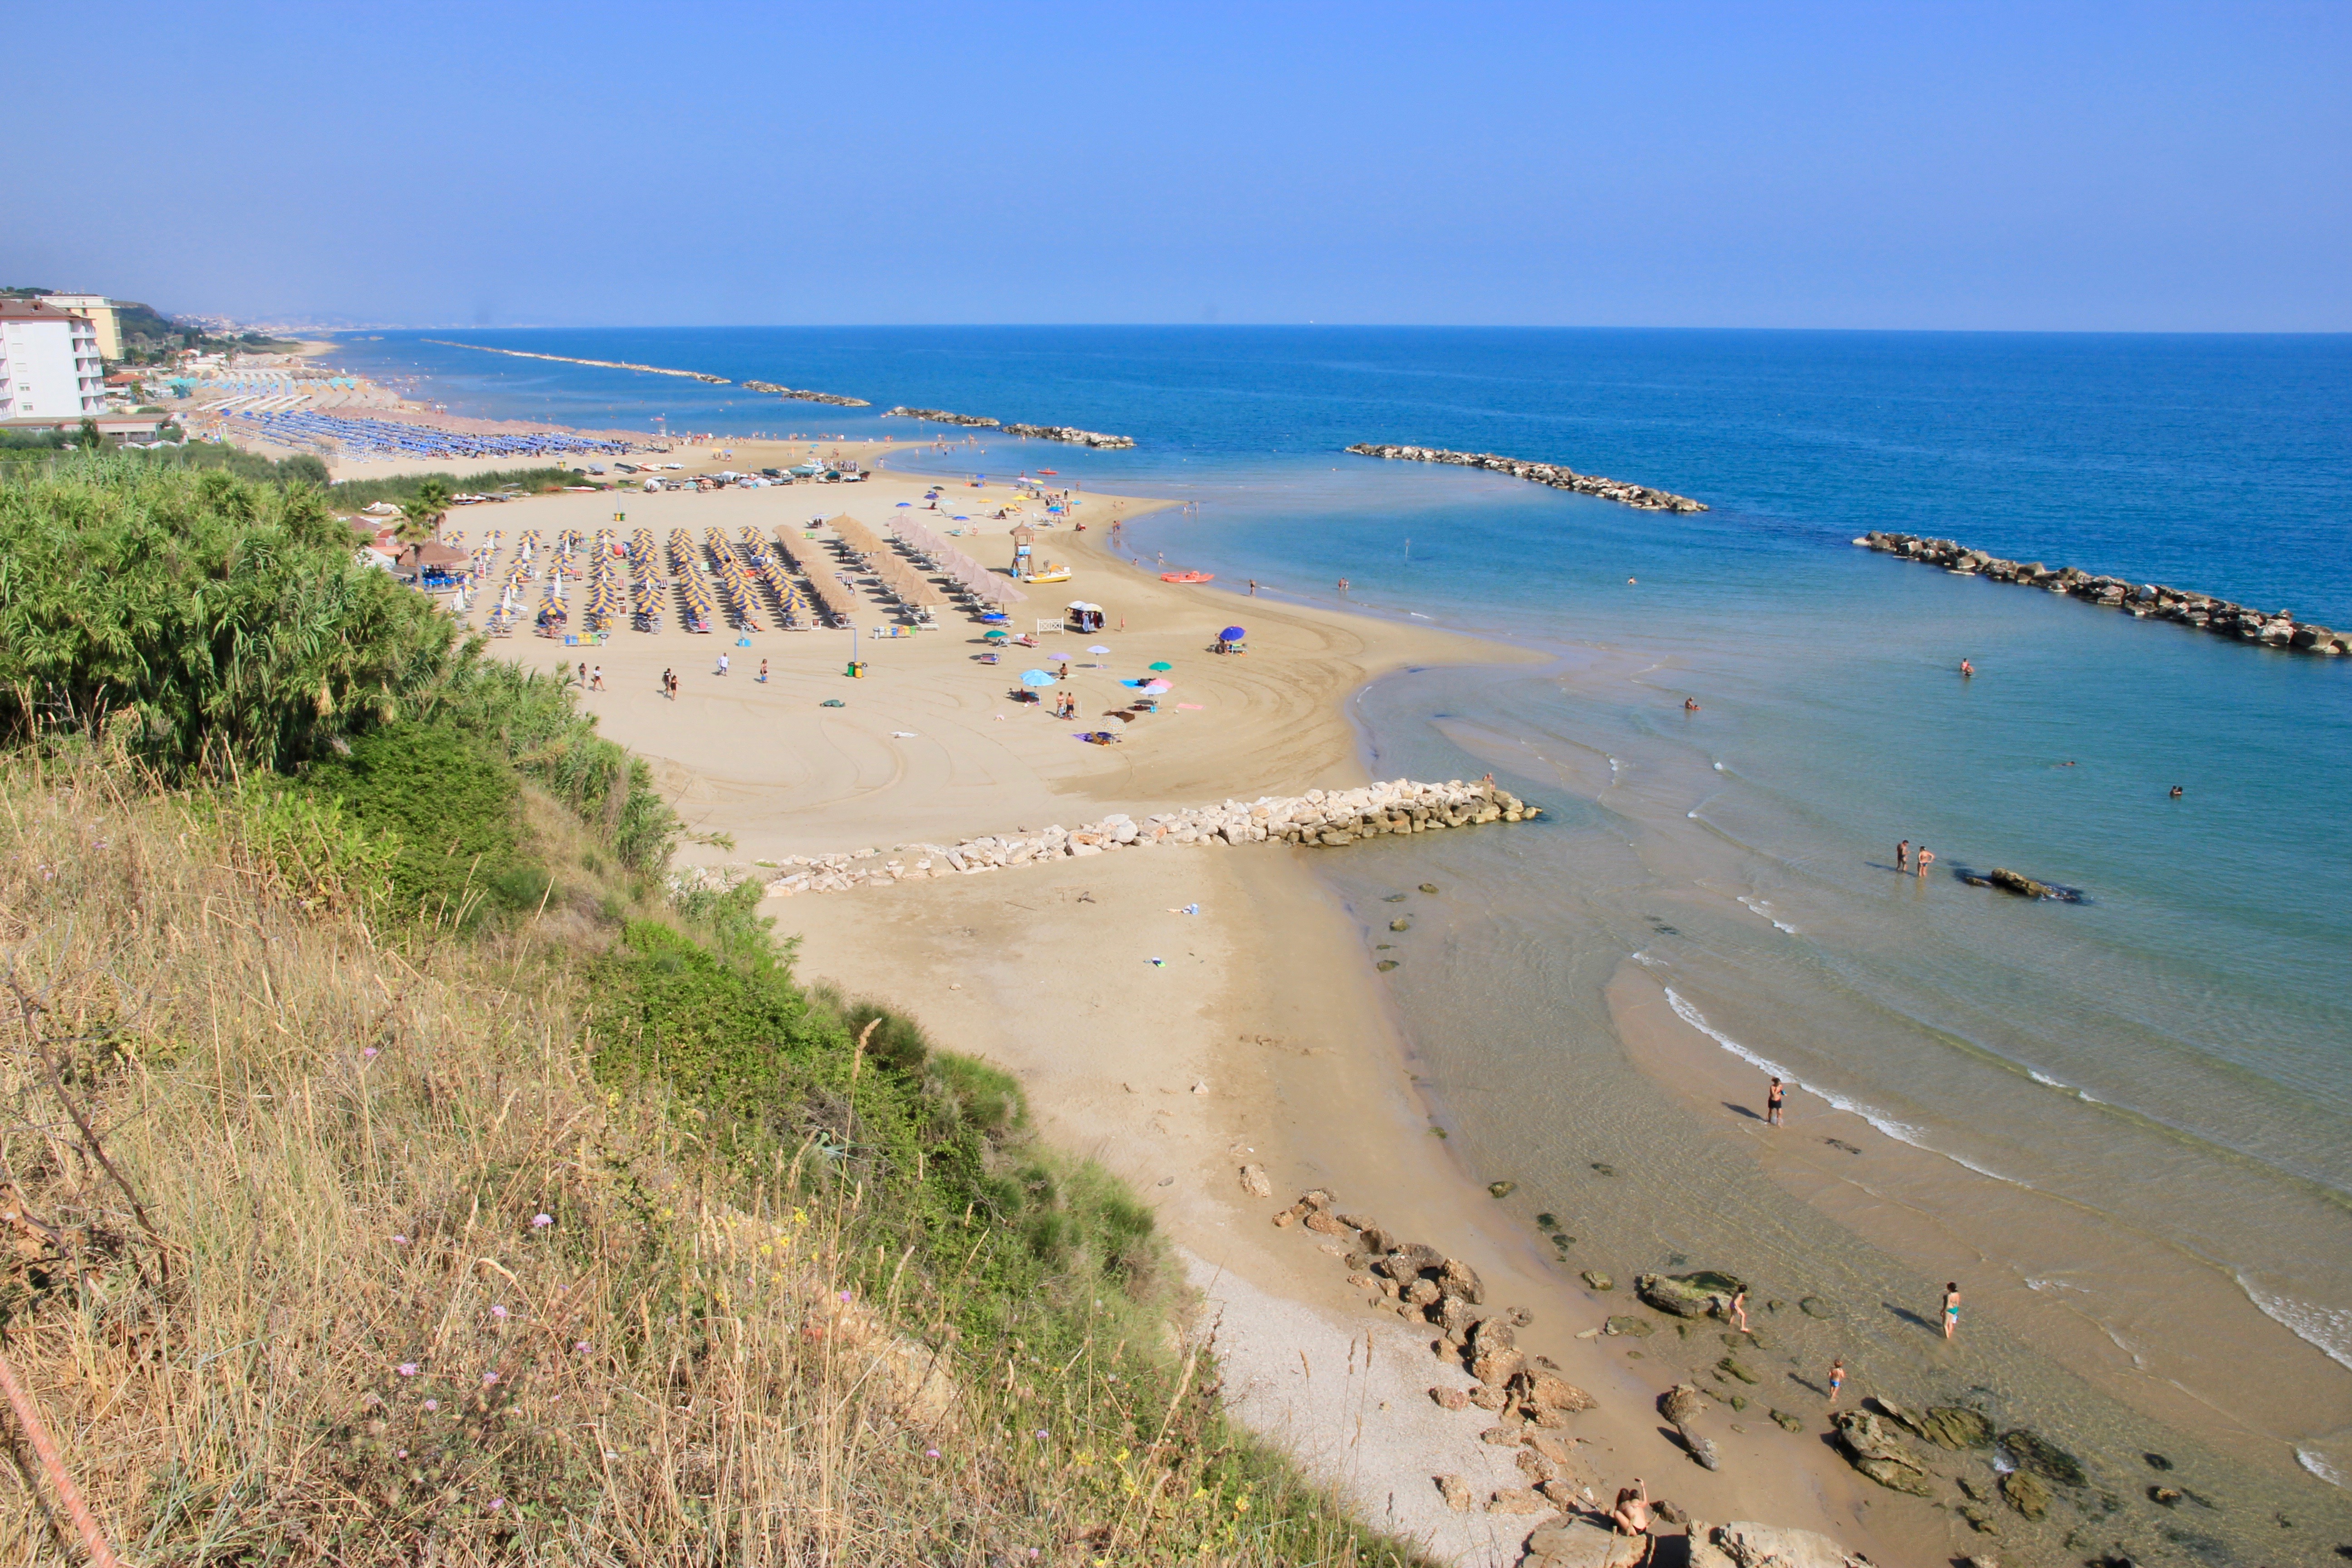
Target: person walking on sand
(1903, 857)
(1951, 1308)
(584, 676)
(669, 684)
(1773, 1098)
(596, 679)
(1837, 1378)
(1926, 858)
(722, 665)
(764, 672)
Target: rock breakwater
(941, 416)
(796, 394)
(2204, 612)
(1320, 818)
(599, 363)
(1069, 433)
(1558, 476)
(1073, 434)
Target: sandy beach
(1264, 1035)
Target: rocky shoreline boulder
(1701, 1295)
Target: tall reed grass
(326, 1243)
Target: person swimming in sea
(1690, 704)
(2175, 792)
(1966, 669)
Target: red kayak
(1188, 576)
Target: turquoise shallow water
(2151, 1091)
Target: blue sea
(2127, 1122)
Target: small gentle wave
(2328, 1329)
(1760, 907)
(1901, 1131)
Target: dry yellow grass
(388, 1275)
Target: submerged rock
(2024, 1491)
(1688, 1295)
(1598, 1280)
(1626, 1323)
(2044, 1457)
(1878, 1453)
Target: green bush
(204, 620)
(451, 807)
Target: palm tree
(421, 515)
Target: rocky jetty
(796, 394)
(600, 363)
(2204, 612)
(941, 416)
(1073, 434)
(1320, 818)
(1556, 474)
(1069, 433)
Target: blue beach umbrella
(1038, 678)
(1232, 634)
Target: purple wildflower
(499, 1313)
(407, 1369)
(432, 1404)
(541, 1221)
(488, 1378)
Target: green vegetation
(468, 1198)
(199, 620)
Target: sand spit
(1320, 818)
(1558, 476)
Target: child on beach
(1837, 1378)
(722, 665)
(764, 672)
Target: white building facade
(49, 363)
(100, 311)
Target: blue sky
(2045, 166)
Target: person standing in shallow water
(1837, 1378)
(1926, 858)
(1773, 1098)
(1951, 1309)
(1903, 857)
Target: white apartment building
(100, 311)
(49, 363)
